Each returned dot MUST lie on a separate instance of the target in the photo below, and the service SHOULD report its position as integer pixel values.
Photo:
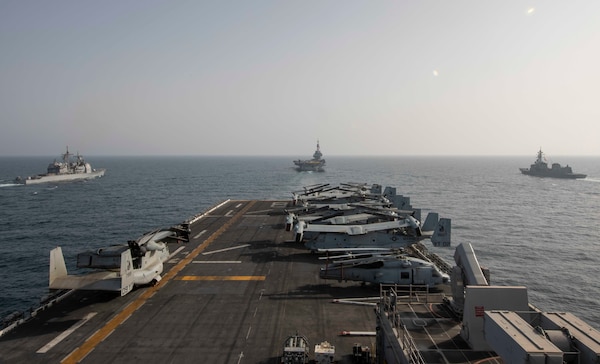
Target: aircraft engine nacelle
(415, 224)
(155, 245)
(104, 258)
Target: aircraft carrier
(237, 290)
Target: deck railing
(393, 295)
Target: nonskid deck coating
(233, 294)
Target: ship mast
(67, 155)
(318, 153)
(539, 156)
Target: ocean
(538, 232)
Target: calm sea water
(542, 233)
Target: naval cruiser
(539, 168)
(71, 168)
(241, 287)
(315, 164)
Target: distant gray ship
(539, 168)
(70, 169)
(315, 164)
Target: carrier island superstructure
(241, 286)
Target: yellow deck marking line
(221, 278)
(81, 352)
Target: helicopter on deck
(381, 266)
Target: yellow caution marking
(221, 278)
(81, 352)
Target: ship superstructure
(315, 164)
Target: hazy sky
(253, 77)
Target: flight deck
(232, 294)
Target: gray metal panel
(464, 256)
(516, 341)
(479, 299)
(586, 337)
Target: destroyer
(315, 164)
(539, 168)
(72, 168)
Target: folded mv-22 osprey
(120, 267)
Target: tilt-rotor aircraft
(119, 267)
(388, 234)
(340, 214)
(354, 215)
(320, 195)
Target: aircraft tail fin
(105, 280)
(441, 235)
(431, 222)
(126, 272)
(58, 268)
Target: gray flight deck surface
(232, 294)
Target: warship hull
(551, 174)
(309, 166)
(63, 177)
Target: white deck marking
(238, 205)
(199, 234)
(176, 251)
(216, 261)
(198, 217)
(66, 333)
(226, 249)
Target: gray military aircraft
(388, 234)
(354, 215)
(323, 195)
(342, 214)
(346, 193)
(119, 267)
(382, 267)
